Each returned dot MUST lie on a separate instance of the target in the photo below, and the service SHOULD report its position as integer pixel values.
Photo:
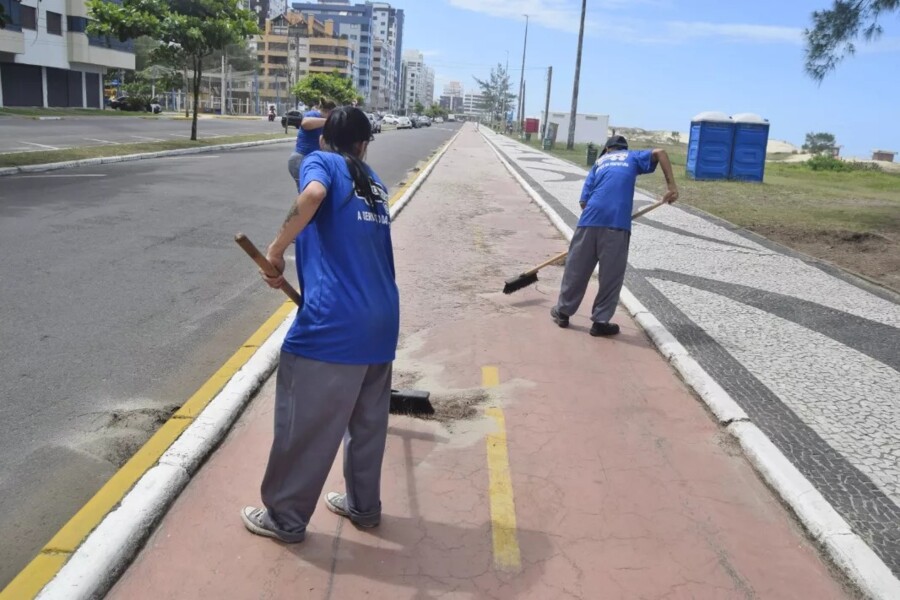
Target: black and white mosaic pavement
(812, 355)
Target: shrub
(823, 162)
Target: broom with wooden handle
(518, 282)
(403, 402)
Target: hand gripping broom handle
(267, 268)
(562, 255)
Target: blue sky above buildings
(656, 63)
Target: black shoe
(559, 318)
(599, 329)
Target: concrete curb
(105, 160)
(106, 553)
(821, 520)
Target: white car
(439, 119)
(389, 120)
(404, 123)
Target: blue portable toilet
(748, 156)
(709, 147)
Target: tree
(834, 30)
(818, 143)
(436, 110)
(2, 18)
(418, 107)
(195, 28)
(495, 95)
(331, 85)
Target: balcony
(12, 41)
(76, 8)
(82, 51)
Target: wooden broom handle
(562, 255)
(646, 209)
(549, 261)
(244, 242)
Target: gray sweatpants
(316, 405)
(589, 246)
(294, 166)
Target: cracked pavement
(623, 485)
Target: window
(77, 24)
(29, 18)
(54, 23)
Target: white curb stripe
(105, 160)
(823, 522)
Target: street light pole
(505, 92)
(520, 114)
(570, 142)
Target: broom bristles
(517, 283)
(410, 402)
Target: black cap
(616, 141)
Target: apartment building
(47, 59)
(417, 81)
(388, 30)
(473, 105)
(364, 25)
(292, 46)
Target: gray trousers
(318, 404)
(589, 246)
(294, 166)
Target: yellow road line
(44, 567)
(503, 508)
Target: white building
(588, 127)
(472, 105)
(453, 89)
(387, 30)
(47, 59)
(417, 82)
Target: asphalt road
(19, 134)
(121, 292)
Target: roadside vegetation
(844, 212)
(18, 159)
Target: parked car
(376, 123)
(451, 118)
(135, 104)
(390, 120)
(292, 118)
(404, 123)
(439, 119)
(424, 121)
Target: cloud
(683, 31)
(563, 15)
(430, 53)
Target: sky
(655, 64)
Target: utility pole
(222, 103)
(521, 111)
(570, 142)
(545, 128)
(505, 91)
(256, 87)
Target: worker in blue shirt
(308, 135)
(604, 231)
(334, 371)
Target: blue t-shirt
(609, 188)
(308, 140)
(345, 265)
